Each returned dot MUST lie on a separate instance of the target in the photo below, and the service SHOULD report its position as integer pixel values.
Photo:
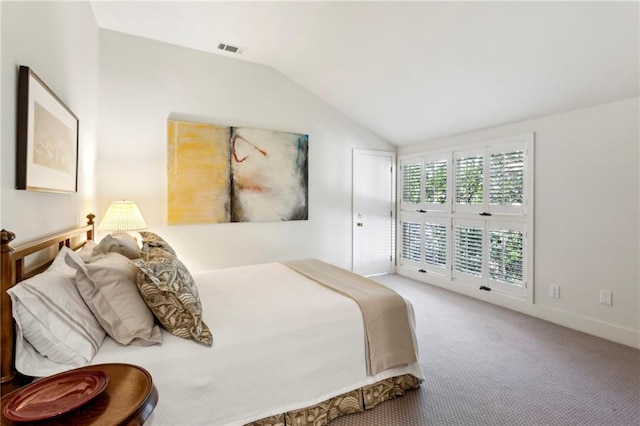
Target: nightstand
(129, 399)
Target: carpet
(487, 365)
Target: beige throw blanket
(388, 337)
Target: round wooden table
(129, 399)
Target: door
(373, 211)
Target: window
(469, 179)
(411, 242)
(424, 183)
(411, 183)
(506, 179)
(468, 248)
(435, 244)
(505, 256)
(424, 243)
(435, 182)
(466, 214)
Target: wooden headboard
(16, 269)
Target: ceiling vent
(229, 48)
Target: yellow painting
(198, 166)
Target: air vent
(229, 48)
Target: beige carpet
(485, 365)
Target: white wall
(144, 82)
(587, 215)
(59, 41)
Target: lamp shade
(122, 216)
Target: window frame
(518, 217)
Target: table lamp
(122, 216)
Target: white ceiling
(416, 71)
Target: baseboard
(595, 327)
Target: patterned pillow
(170, 292)
(150, 240)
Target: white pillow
(86, 250)
(107, 285)
(118, 242)
(29, 361)
(52, 317)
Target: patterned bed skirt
(355, 401)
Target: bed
(284, 349)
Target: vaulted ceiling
(416, 71)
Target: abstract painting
(235, 174)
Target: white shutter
(506, 178)
(436, 177)
(506, 251)
(469, 180)
(467, 214)
(468, 249)
(436, 245)
(411, 184)
(411, 243)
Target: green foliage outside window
(506, 178)
(411, 183)
(505, 259)
(435, 182)
(469, 180)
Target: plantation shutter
(468, 248)
(410, 252)
(466, 214)
(506, 179)
(436, 245)
(469, 180)
(436, 176)
(411, 183)
(506, 257)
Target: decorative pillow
(169, 290)
(52, 317)
(150, 240)
(107, 285)
(118, 242)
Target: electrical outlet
(606, 297)
(554, 291)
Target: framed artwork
(47, 138)
(220, 174)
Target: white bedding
(281, 342)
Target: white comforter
(281, 342)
